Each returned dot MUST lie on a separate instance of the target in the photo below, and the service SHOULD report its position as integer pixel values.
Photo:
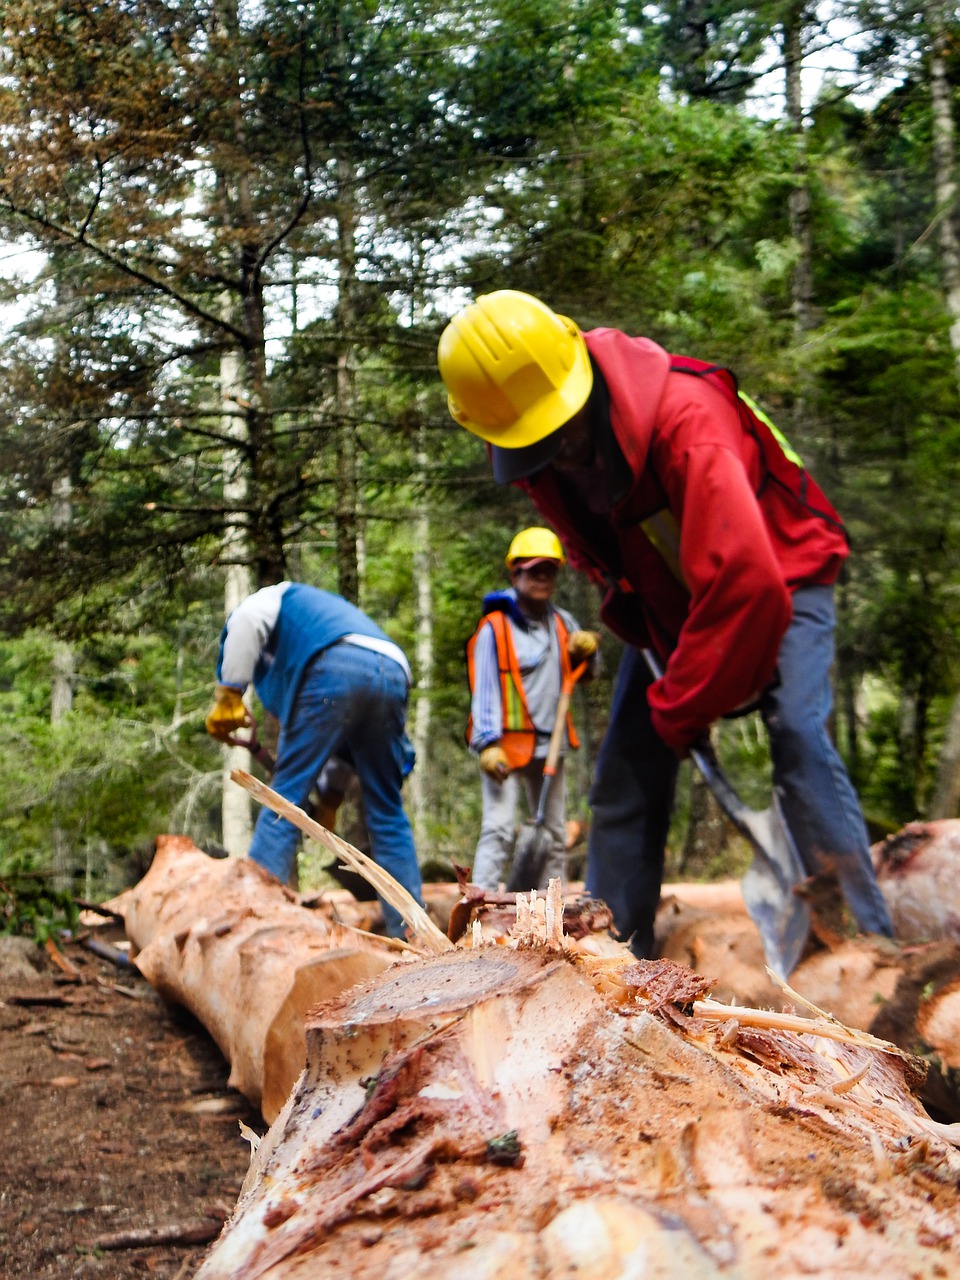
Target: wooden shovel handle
(560, 721)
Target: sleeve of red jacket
(740, 606)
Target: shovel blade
(768, 888)
(529, 857)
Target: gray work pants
(498, 827)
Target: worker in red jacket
(713, 547)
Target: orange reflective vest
(519, 731)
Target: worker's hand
(228, 714)
(493, 762)
(582, 645)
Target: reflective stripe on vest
(663, 534)
(781, 439)
(519, 732)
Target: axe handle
(253, 745)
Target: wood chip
(213, 1106)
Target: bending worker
(334, 681)
(523, 647)
(712, 546)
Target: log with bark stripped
(231, 944)
(907, 993)
(527, 1110)
(918, 870)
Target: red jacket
(753, 526)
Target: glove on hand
(228, 714)
(493, 762)
(582, 645)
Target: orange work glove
(582, 645)
(228, 714)
(493, 762)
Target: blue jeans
(636, 774)
(356, 699)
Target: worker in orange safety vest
(522, 649)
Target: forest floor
(120, 1146)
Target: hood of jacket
(635, 371)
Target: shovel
(534, 841)
(769, 884)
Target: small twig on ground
(185, 1266)
(53, 1002)
(100, 910)
(60, 960)
(131, 992)
(177, 1233)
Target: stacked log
(526, 1109)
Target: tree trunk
(226, 940)
(348, 487)
(526, 1110)
(946, 801)
(945, 168)
(236, 809)
(421, 805)
(264, 526)
(61, 691)
(798, 205)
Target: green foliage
(339, 178)
(85, 797)
(30, 906)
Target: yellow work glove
(582, 645)
(228, 714)
(493, 762)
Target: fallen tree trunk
(531, 1111)
(538, 1105)
(907, 993)
(918, 870)
(231, 944)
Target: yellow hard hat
(514, 370)
(535, 544)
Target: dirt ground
(115, 1122)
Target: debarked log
(907, 992)
(526, 1110)
(918, 870)
(226, 940)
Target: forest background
(232, 235)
